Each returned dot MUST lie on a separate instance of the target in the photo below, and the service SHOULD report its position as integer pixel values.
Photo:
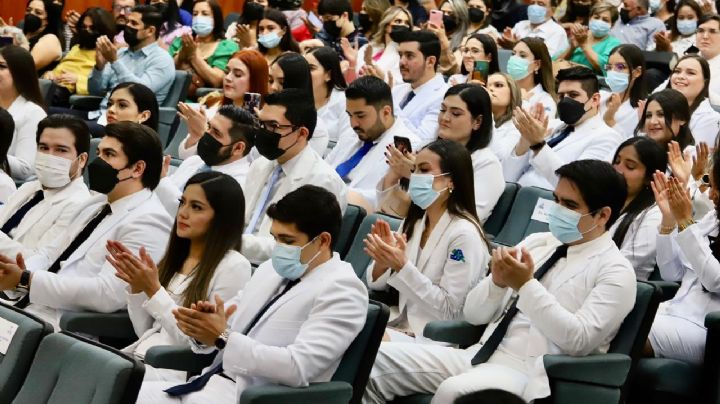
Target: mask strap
(316, 254)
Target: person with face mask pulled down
(579, 134)
(223, 148)
(72, 273)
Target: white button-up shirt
(552, 33)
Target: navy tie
(407, 99)
(343, 169)
(19, 214)
(561, 136)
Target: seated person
(625, 75)
(505, 96)
(223, 148)
(292, 322)
(708, 27)
(688, 255)
(287, 122)
(529, 67)
(133, 102)
(359, 161)
(273, 35)
(590, 46)
(563, 292)
(42, 28)
(636, 26)
(440, 252)
(476, 48)
(7, 127)
(540, 24)
(665, 118)
(172, 27)
(683, 26)
(383, 50)
(202, 261)
(635, 231)
(582, 135)
(72, 273)
(338, 25)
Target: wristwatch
(537, 146)
(24, 284)
(222, 339)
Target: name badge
(7, 332)
(541, 210)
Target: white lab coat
(372, 168)
(170, 188)
(436, 279)
(705, 124)
(626, 117)
(389, 61)
(539, 95)
(86, 281)
(46, 221)
(21, 154)
(489, 181)
(640, 241)
(307, 168)
(421, 113)
(335, 117)
(504, 140)
(592, 139)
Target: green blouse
(602, 49)
(219, 58)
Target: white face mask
(52, 171)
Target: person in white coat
(287, 121)
(417, 101)
(361, 162)
(687, 253)
(665, 118)
(625, 74)
(635, 232)
(382, 50)
(529, 66)
(201, 261)
(505, 96)
(583, 134)
(224, 148)
(72, 272)
(564, 292)
(7, 128)
(293, 321)
(43, 209)
(440, 252)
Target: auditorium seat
(113, 329)
(356, 256)
(520, 223)
(502, 208)
(352, 218)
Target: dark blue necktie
(407, 99)
(561, 136)
(343, 169)
(18, 216)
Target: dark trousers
(96, 129)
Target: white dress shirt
(714, 79)
(489, 181)
(539, 95)
(504, 139)
(21, 154)
(626, 117)
(86, 281)
(170, 188)
(681, 45)
(421, 113)
(592, 139)
(7, 187)
(389, 61)
(552, 33)
(334, 116)
(639, 243)
(705, 123)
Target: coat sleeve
(697, 251)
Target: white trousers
(677, 338)
(219, 390)
(153, 374)
(403, 369)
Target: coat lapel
(436, 236)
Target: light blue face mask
(599, 28)
(286, 260)
(270, 40)
(536, 14)
(563, 223)
(202, 25)
(518, 68)
(617, 81)
(686, 27)
(421, 189)
(654, 5)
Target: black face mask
(582, 10)
(87, 39)
(266, 143)
(103, 177)
(332, 29)
(449, 23)
(365, 22)
(32, 23)
(625, 16)
(209, 150)
(398, 28)
(476, 15)
(570, 111)
(131, 36)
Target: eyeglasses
(617, 67)
(274, 126)
(122, 9)
(711, 31)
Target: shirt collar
(595, 246)
(132, 200)
(145, 51)
(290, 165)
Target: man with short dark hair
(580, 133)
(337, 17)
(563, 292)
(224, 147)
(417, 102)
(359, 162)
(292, 322)
(72, 273)
(636, 26)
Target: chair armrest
(178, 358)
(114, 325)
(457, 332)
(329, 392)
(605, 369)
(203, 91)
(668, 288)
(86, 102)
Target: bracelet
(685, 225)
(666, 229)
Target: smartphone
(481, 70)
(314, 20)
(251, 101)
(403, 144)
(8, 40)
(436, 18)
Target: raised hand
(509, 270)
(680, 163)
(701, 160)
(659, 186)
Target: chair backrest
(358, 360)
(500, 212)
(356, 256)
(520, 223)
(351, 220)
(167, 120)
(46, 90)
(630, 338)
(178, 89)
(503, 57)
(229, 19)
(72, 369)
(177, 137)
(92, 155)
(15, 364)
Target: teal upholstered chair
(352, 218)
(502, 208)
(519, 222)
(356, 256)
(114, 329)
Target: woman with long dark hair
(329, 91)
(133, 102)
(665, 118)
(274, 35)
(7, 127)
(635, 231)
(42, 28)
(531, 68)
(625, 74)
(475, 48)
(172, 26)
(440, 252)
(683, 26)
(202, 262)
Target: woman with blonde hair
(381, 48)
(505, 96)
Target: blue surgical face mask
(286, 260)
(687, 27)
(654, 5)
(518, 68)
(421, 189)
(563, 223)
(202, 25)
(269, 40)
(617, 81)
(536, 14)
(599, 28)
